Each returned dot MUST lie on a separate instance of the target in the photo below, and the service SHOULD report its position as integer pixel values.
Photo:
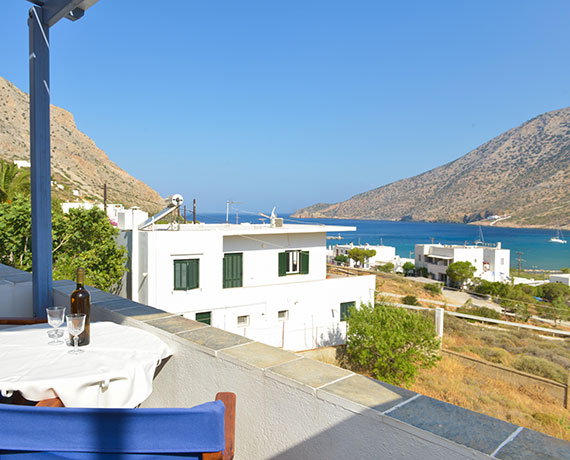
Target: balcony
(291, 407)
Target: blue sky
(289, 103)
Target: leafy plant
(13, 180)
(83, 238)
(342, 259)
(361, 256)
(434, 288)
(390, 343)
(422, 271)
(386, 268)
(410, 300)
(408, 267)
(460, 272)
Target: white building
(492, 263)
(22, 164)
(266, 282)
(384, 255)
(112, 209)
(563, 278)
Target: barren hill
(524, 173)
(76, 162)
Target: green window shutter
(186, 274)
(193, 274)
(204, 317)
(283, 263)
(233, 270)
(304, 269)
(179, 275)
(344, 310)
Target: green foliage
(541, 367)
(410, 300)
(342, 259)
(565, 270)
(434, 288)
(557, 310)
(390, 343)
(83, 238)
(480, 311)
(422, 271)
(460, 272)
(13, 181)
(386, 268)
(408, 267)
(551, 291)
(361, 256)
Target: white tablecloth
(115, 370)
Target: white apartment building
(492, 263)
(563, 278)
(266, 282)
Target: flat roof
(253, 229)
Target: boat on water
(481, 239)
(559, 238)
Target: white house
(22, 163)
(563, 278)
(384, 255)
(112, 209)
(492, 263)
(264, 281)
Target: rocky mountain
(76, 162)
(523, 173)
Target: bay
(537, 251)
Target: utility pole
(432, 238)
(194, 212)
(185, 214)
(520, 254)
(105, 197)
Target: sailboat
(559, 238)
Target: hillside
(77, 163)
(524, 173)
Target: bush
(408, 268)
(480, 311)
(495, 355)
(541, 367)
(390, 343)
(434, 288)
(410, 300)
(387, 268)
(422, 271)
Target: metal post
(40, 162)
(105, 197)
(194, 212)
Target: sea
(536, 252)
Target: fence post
(439, 312)
(566, 396)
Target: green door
(233, 270)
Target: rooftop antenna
(272, 218)
(228, 202)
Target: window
(502, 261)
(186, 274)
(344, 313)
(243, 320)
(293, 263)
(283, 315)
(204, 317)
(233, 270)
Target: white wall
(561, 278)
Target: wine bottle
(80, 303)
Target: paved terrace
(292, 407)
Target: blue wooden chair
(203, 432)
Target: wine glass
(55, 316)
(76, 325)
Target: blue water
(537, 251)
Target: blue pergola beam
(41, 17)
(40, 162)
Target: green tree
(386, 268)
(565, 270)
(422, 271)
(557, 310)
(13, 180)
(390, 343)
(82, 238)
(342, 259)
(460, 272)
(408, 267)
(361, 256)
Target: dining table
(115, 370)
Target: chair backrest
(29, 432)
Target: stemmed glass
(76, 325)
(55, 316)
